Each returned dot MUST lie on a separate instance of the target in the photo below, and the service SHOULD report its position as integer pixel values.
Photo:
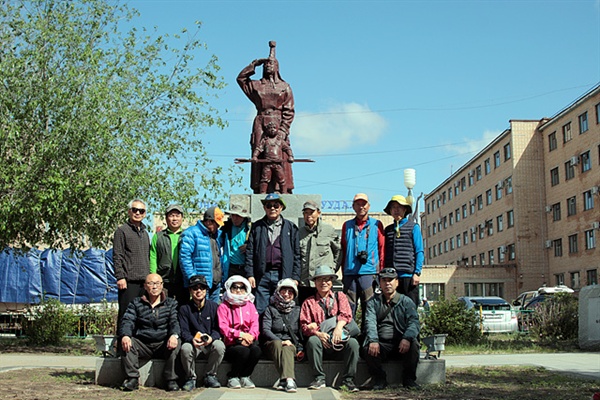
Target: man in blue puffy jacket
(200, 252)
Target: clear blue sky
(381, 86)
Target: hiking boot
(318, 383)
(349, 385)
(189, 385)
(234, 383)
(211, 381)
(131, 384)
(290, 386)
(172, 386)
(247, 382)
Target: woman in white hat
(280, 331)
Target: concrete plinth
(109, 372)
(293, 203)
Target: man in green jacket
(319, 245)
(164, 254)
(392, 327)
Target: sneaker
(234, 383)
(410, 384)
(247, 382)
(282, 384)
(290, 386)
(379, 384)
(172, 386)
(131, 384)
(349, 385)
(211, 381)
(318, 383)
(189, 385)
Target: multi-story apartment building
(524, 212)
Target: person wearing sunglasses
(404, 247)
(272, 252)
(131, 255)
(238, 323)
(200, 251)
(200, 335)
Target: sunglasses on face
(238, 287)
(273, 205)
(138, 210)
(198, 287)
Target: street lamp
(410, 180)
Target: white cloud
(340, 127)
(472, 146)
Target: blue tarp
(69, 276)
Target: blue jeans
(264, 289)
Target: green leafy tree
(95, 112)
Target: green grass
(510, 343)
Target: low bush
(449, 316)
(100, 319)
(557, 318)
(50, 322)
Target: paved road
(585, 365)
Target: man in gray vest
(404, 247)
(164, 254)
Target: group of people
(238, 290)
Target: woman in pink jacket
(238, 322)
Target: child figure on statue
(271, 149)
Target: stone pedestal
(589, 318)
(293, 203)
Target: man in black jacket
(272, 252)
(150, 329)
(200, 335)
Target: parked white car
(497, 314)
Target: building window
(557, 247)
(456, 189)
(510, 218)
(482, 258)
(552, 144)
(508, 185)
(586, 162)
(575, 283)
(464, 211)
(480, 202)
(496, 159)
(457, 214)
(554, 176)
(507, 152)
(466, 237)
(511, 252)
(501, 255)
(445, 220)
(567, 135)
(487, 165)
(478, 172)
(434, 251)
(473, 235)
(463, 184)
(588, 200)
(592, 277)
(590, 239)
(569, 170)
(556, 212)
(498, 192)
(434, 228)
(458, 241)
(433, 291)
(559, 279)
(500, 223)
(598, 113)
(481, 231)
(433, 205)
(439, 248)
(484, 289)
(451, 215)
(451, 243)
(450, 194)
(583, 123)
(472, 206)
(491, 257)
(571, 206)
(490, 227)
(445, 246)
(474, 260)
(488, 197)
(444, 198)
(573, 244)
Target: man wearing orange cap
(362, 252)
(200, 253)
(404, 247)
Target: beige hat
(360, 196)
(400, 200)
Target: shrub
(50, 322)
(452, 318)
(557, 318)
(100, 319)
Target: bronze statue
(274, 101)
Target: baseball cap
(388, 273)
(214, 214)
(198, 280)
(361, 196)
(311, 205)
(174, 207)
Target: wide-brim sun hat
(238, 209)
(324, 270)
(400, 200)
